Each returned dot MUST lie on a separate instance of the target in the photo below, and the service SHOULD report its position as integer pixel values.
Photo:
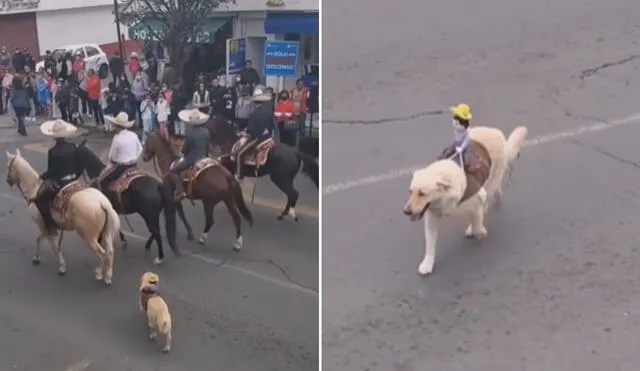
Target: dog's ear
(9, 155)
(18, 152)
(444, 184)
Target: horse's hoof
(296, 219)
(157, 261)
(280, 217)
(107, 281)
(190, 237)
(62, 272)
(35, 261)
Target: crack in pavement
(387, 120)
(228, 258)
(605, 153)
(592, 71)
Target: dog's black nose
(406, 211)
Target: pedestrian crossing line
(247, 189)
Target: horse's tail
(515, 142)
(238, 198)
(169, 207)
(111, 226)
(310, 167)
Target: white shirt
(125, 148)
(163, 110)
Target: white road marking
(208, 260)
(82, 365)
(554, 137)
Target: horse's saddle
(476, 164)
(124, 181)
(200, 165)
(61, 201)
(257, 156)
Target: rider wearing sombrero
(124, 151)
(259, 126)
(196, 147)
(63, 168)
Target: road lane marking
(209, 260)
(267, 203)
(533, 142)
(79, 366)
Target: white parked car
(94, 57)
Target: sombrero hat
(58, 129)
(260, 95)
(193, 117)
(121, 120)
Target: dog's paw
(470, 233)
(166, 349)
(426, 267)
(152, 336)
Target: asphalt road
(252, 310)
(555, 284)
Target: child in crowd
(163, 110)
(147, 110)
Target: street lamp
(117, 14)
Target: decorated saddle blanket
(61, 202)
(122, 183)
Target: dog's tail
(515, 143)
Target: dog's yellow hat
(154, 278)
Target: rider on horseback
(196, 147)
(124, 152)
(258, 128)
(63, 168)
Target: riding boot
(179, 188)
(45, 210)
(238, 173)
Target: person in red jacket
(134, 64)
(94, 90)
(285, 114)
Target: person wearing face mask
(285, 114)
(461, 122)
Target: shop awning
(153, 30)
(292, 23)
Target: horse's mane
(24, 165)
(92, 163)
(164, 142)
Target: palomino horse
(280, 161)
(141, 193)
(77, 207)
(208, 181)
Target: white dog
(443, 188)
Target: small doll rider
(461, 122)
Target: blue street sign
(237, 54)
(281, 58)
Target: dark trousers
(46, 194)
(287, 134)
(21, 112)
(84, 98)
(96, 111)
(242, 123)
(113, 175)
(64, 112)
(1, 100)
(175, 174)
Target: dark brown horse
(281, 162)
(209, 182)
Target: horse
(450, 187)
(209, 182)
(76, 207)
(280, 161)
(139, 193)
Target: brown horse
(209, 182)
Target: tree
(177, 23)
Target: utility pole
(117, 14)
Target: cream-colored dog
(158, 315)
(437, 190)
